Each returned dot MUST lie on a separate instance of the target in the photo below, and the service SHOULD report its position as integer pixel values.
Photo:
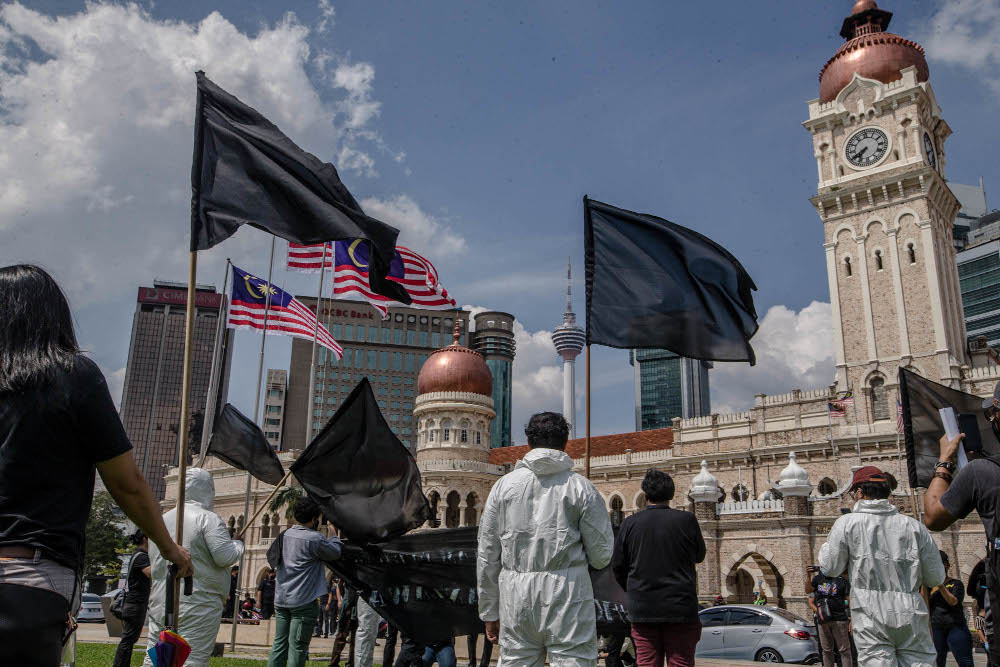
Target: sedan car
(90, 609)
(764, 634)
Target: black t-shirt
(51, 438)
(266, 589)
(943, 615)
(138, 583)
(972, 489)
(833, 592)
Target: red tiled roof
(600, 445)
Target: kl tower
(569, 340)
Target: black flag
(363, 478)
(240, 443)
(246, 171)
(922, 425)
(654, 284)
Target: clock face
(866, 147)
(929, 151)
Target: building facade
(151, 398)
(274, 405)
(667, 386)
(494, 339)
(389, 352)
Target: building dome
(794, 480)
(705, 487)
(870, 51)
(455, 368)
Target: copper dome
(455, 368)
(870, 52)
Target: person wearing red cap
(888, 557)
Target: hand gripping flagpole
(215, 375)
(312, 364)
(256, 409)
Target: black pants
(32, 626)
(133, 618)
(267, 608)
(487, 651)
(389, 653)
(410, 655)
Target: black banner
(240, 443)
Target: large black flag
(922, 425)
(362, 476)
(654, 284)
(247, 172)
(240, 443)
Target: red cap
(868, 474)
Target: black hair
(944, 559)
(137, 537)
(658, 486)
(306, 510)
(36, 328)
(547, 429)
(874, 490)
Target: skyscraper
(274, 405)
(667, 386)
(569, 340)
(494, 339)
(151, 399)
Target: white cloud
(966, 33)
(419, 230)
(327, 14)
(794, 351)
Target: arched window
(880, 403)
(640, 502)
(447, 435)
(239, 523)
(740, 494)
(878, 260)
(430, 436)
(464, 436)
(479, 438)
(617, 514)
(847, 265)
(912, 253)
(471, 517)
(232, 526)
(826, 487)
(434, 499)
(265, 528)
(451, 512)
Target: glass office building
(494, 339)
(667, 386)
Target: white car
(90, 609)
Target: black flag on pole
(240, 443)
(654, 284)
(363, 478)
(922, 425)
(247, 172)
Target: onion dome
(705, 487)
(455, 368)
(794, 480)
(870, 51)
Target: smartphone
(969, 425)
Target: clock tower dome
(887, 214)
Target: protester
(828, 600)
(331, 608)
(136, 602)
(265, 594)
(654, 562)
(442, 652)
(411, 654)
(389, 650)
(759, 598)
(58, 425)
(367, 634)
(230, 607)
(347, 624)
(247, 607)
(948, 623)
(301, 580)
(322, 621)
(888, 557)
(473, 644)
(542, 525)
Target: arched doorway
(752, 572)
(452, 511)
(617, 512)
(434, 499)
(471, 512)
(742, 588)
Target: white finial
(705, 487)
(794, 480)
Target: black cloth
(363, 478)
(240, 443)
(943, 615)
(830, 594)
(654, 284)
(133, 618)
(472, 642)
(654, 561)
(922, 425)
(51, 437)
(246, 171)
(32, 626)
(138, 583)
(391, 637)
(411, 654)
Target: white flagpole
(312, 365)
(260, 421)
(857, 432)
(833, 449)
(211, 404)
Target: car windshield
(90, 597)
(788, 616)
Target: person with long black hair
(137, 588)
(58, 425)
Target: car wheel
(768, 655)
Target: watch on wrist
(947, 465)
(946, 476)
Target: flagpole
(246, 526)
(256, 409)
(312, 364)
(833, 449)
(857, 432)
(211, 404)
(587, 464)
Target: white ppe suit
(541, 526)
(213, 551)
(888, 556)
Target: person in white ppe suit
(888, 556)
(542, 525)
(213, 551)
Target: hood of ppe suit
(543, 461)
(199, 488)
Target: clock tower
(887, 214)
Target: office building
(389, 352)
(494, 339)
(979, 267)
(972, 199)
(667, 386)
(274, 405)
(151, 398)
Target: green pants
(292, 632)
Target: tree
(105, 538)
(288, 496)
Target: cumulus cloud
(419, 230)
(794, 351)
(326, 16)
(966, 33)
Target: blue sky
(477, 128)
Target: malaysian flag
(838, 407)
(286, 316)
(349, 261)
